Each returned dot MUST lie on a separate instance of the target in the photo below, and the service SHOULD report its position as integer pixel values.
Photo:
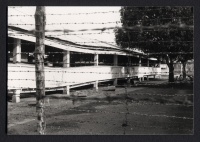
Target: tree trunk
(184, 70)
(171, 72)
(39, 67)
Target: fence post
(40, 20)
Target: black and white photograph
(100, 70)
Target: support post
(140, 61)
(181, 69)
(96, 85)
(66, 90)
(96, 59)
(159, 62)
(16, 96)
(147, 62)
(115, 60)
(115, 82)
(66, 59)
(147, 78)
(143, 78)
(40, 21)
(139, 79)
(128, 81)
(17, 51)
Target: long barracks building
(69, 64)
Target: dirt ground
(143, 109)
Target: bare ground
(142, 109)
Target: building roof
(23, 34)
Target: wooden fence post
(40, 20)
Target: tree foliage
(158, 30)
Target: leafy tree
(162, 32)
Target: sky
(71, 15)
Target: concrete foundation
(66, 90)
(96, 85)
(16, 96)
